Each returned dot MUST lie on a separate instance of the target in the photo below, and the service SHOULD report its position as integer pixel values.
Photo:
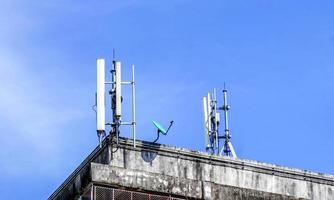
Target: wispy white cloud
(33, 115)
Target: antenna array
(211, 126)
(115, 93)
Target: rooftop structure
(154, 171)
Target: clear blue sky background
(275, 55)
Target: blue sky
(276, 57)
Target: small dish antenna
(161, 129)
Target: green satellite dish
(161, 129)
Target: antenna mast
(227, 149)
(211, 125)
(116, 100)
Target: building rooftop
(183, 173)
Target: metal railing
(108, 193)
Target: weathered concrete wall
(216, 171)
(178, 171)
(195, 189)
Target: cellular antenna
(100, 100)
(212, 123)
(116, 99)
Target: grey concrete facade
(190, 174)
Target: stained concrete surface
(192, 174)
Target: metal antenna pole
(228, 147)
(133, 106)
(226, 108)
(113, 85)
(215, 118)
(227, 135)
(115, 119)
(210, 122)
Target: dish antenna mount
(212, 123)
(161, 130)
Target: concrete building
(154, 171)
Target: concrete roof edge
(230, 160)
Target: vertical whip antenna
(133, 106)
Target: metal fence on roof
(108, 193)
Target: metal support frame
(116, 119)
(212, 124)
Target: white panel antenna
(206, 121)
(118, 89)
(100, 98)
(209, 114)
